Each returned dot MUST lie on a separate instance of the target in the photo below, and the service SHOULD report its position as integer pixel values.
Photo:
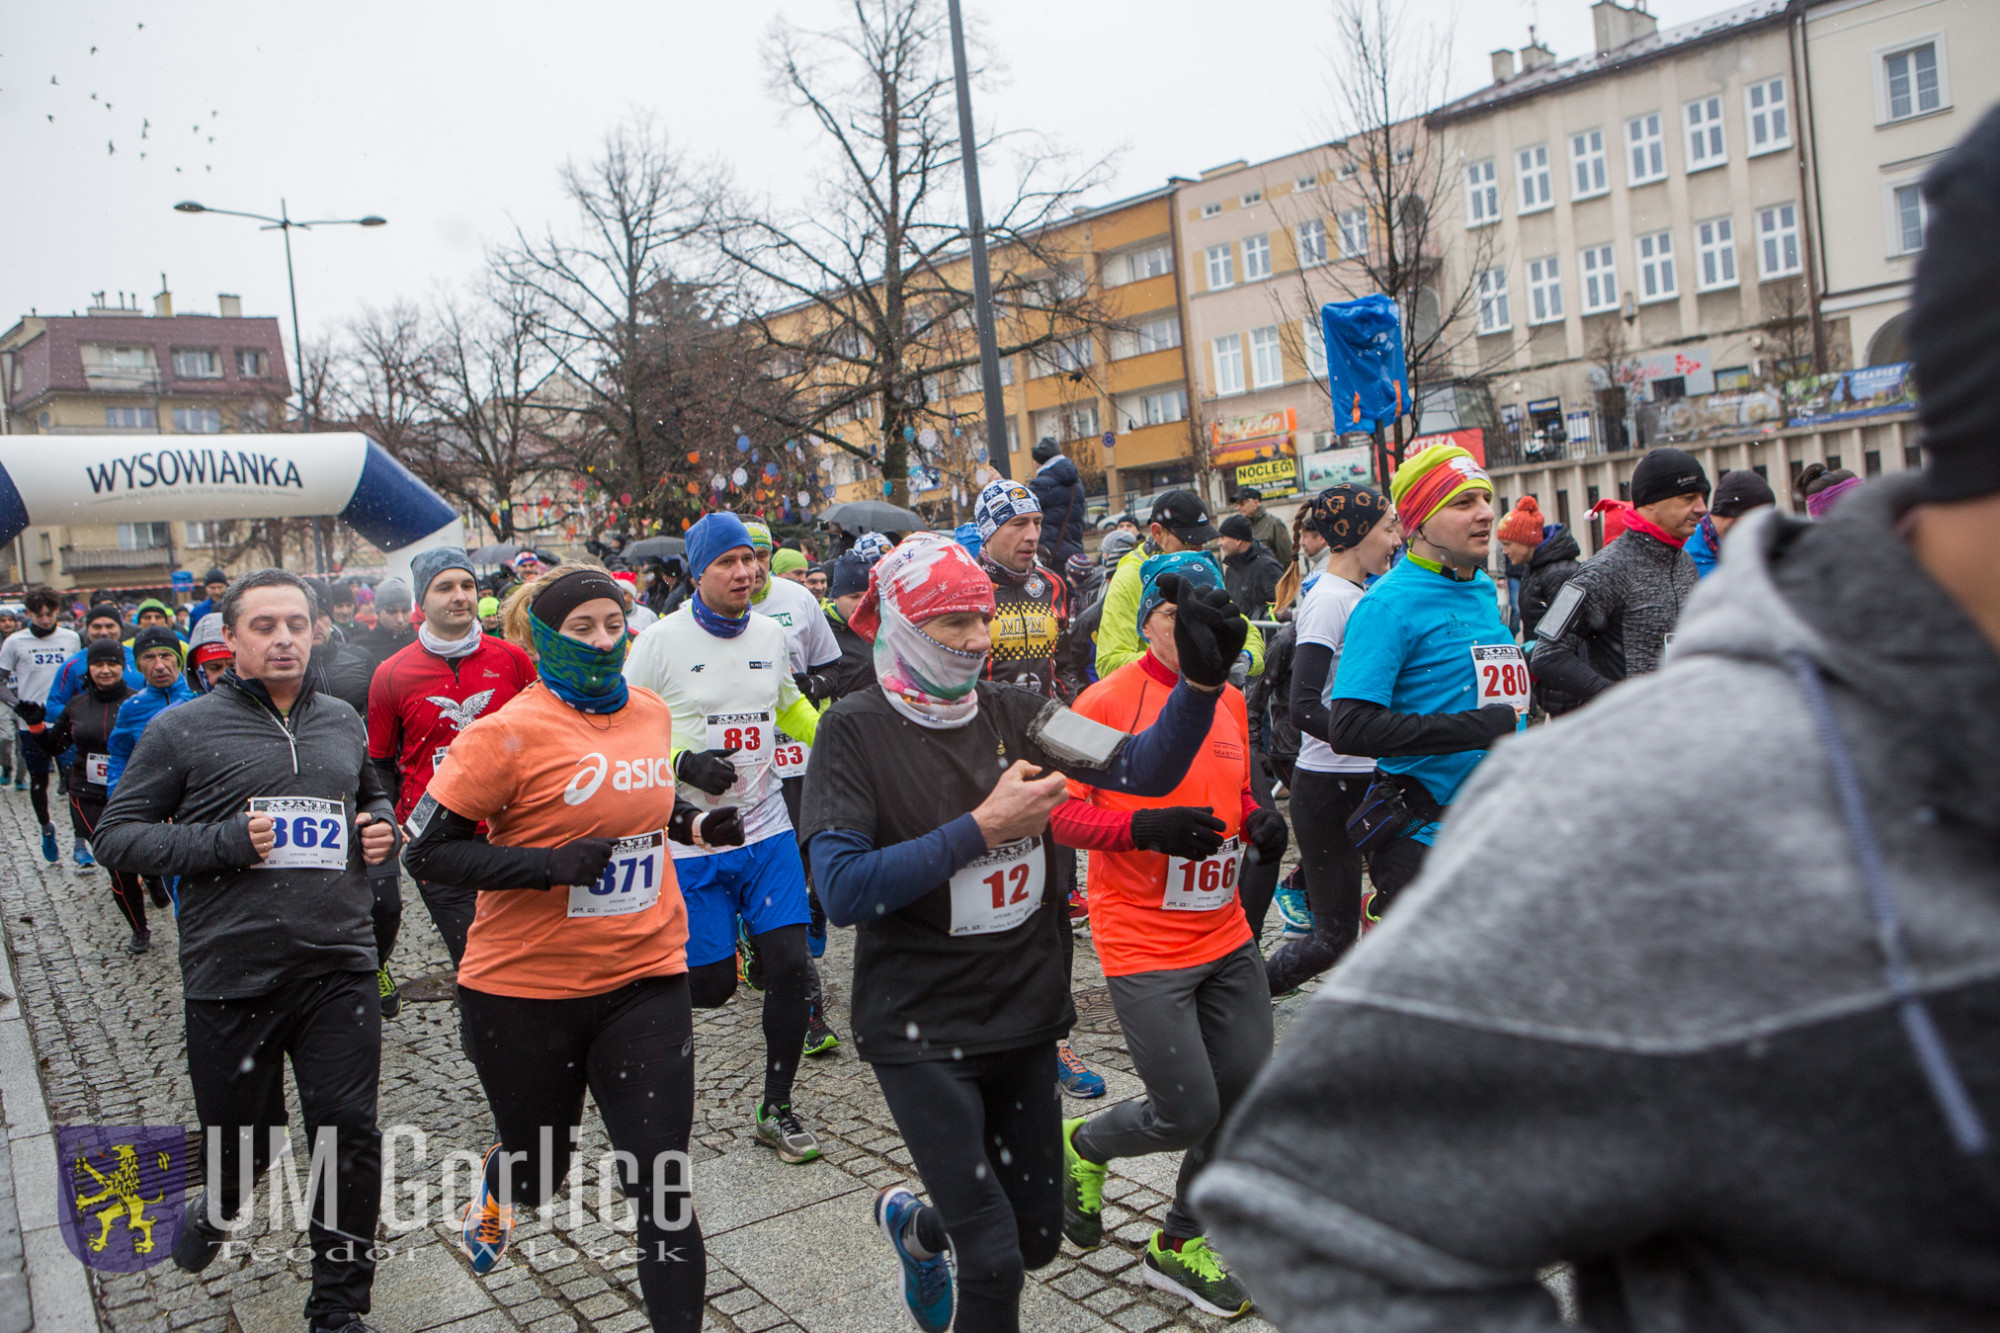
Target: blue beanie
(714, 534)
(850, 575)
(1194, 568)
(968, 536)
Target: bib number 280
(1502, 675)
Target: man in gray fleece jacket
(1672, 1032)
(260, 797)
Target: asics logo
(625, 775)
(590, 776)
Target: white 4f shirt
(724, 694)
(807, 634)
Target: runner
(1362, 538)
(1179, 523)
(575, 972)
(1183, 969)
(10, 621)
(29, 661)
(158, 650)
(392, 632)
(275, 950)
(427, 694)
(1429, 675)
(845, 588)
(1030, 621)
(338, 665)
(208, 655)
(102, 621)
(85, 724)
(721, 668)
(928, 823)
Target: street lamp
(285, 223)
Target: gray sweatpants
(1197, 1037)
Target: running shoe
(1195, 1274)
(1083, 1193)
(1374, 902)
(1079, 909)
(781, 1129)
(21, 781)
(1293, 910)
(926, 1282)
(820, 1036)
(392, 999)
(749, 967)
(50, 852)
(84, 860)
(1076, 1077)
(488, 1224)
(200, 1241)
(816, 938)
(141, 941)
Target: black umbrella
(497, 554)
(651, 548)
(874, 516)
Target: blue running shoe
(1293, 910)
(926, 1282)
(1076, 1077)
(50, 852)
(84, 860)
(816, 938)
(487, 1226)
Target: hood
(1061, 471)
(1557, 546)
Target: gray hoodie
(1646, 1030)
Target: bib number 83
(743, 738)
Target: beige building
(1889, 86)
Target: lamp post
(982, 278)
(285, 224)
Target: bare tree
(864, 293)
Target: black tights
(789, 985)
(38, 795)
(633, 1051)
(1321, 804)
(126, 890)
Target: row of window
(187, 420)
(190, 363)
(1309, 238)
(1265, 363)
(1659, 275)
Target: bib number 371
(1203, 886)
(630, 882)
(999, 890)
(1502, 673)
(311, 834)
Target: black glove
(1186, 831)
(579, 862)
(31, 714)
(1268, 835)
(814, 688)
(706, 770)
(1208, 630)
(717, 828)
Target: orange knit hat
(1523, 523)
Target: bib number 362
(1502, 674)
(999, 890)
(311, 834)
(630, 882)
(1203, 886)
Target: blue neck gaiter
(586, 679)
(721, 626)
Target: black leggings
(126, 890)
(386, 913)
(633, 1049)
(985, 1133)
(1321, 804)
(789, 985)
(1257, 883)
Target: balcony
(85, 559)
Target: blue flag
(1364, 362)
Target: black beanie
(1740, 492)
(104, 650)
(155, 636)
(1954, 333)
(105, 611)
(1665, 473)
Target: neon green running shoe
(1194, 1273)
(1083, 1193)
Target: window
(1715, 254)
(1912, 82)
(1256, 258)
(1403, 156)
(1154, 335)
(143, 536)
(1211, 210)
(1646, 155)
(1221, 267)
(254, 416)
(211, 531)
(1312, 243)
(197, 363)
(249, 363)
(1267, 358)
(1228, 352)
(1778, 241)
(1532, 168)
(1656, 267)
(1704, 134)
(1312, 337)
(1252, 197)
(1137, 265)
(1600, 279)
(1076, 421)
(1734, 379)
(1058, 358)
(197, 420)
(1907, 216)
(1586, 160)
(1493, 315)
(1306, 183)
(1482, 195)
(1353, 233)
(1346, 171)
(1769, 115)
(1162, 408)
(970, 381)
(130, 418)
(1545, 292)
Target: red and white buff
(925, 577)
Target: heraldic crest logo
(121, 1188)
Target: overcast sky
(450, 118)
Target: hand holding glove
(692, 826)
(1208, 631)
(706, 770)
(1185, 831)
(579, 862)
(1266, 832)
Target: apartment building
(1889, 85)
(117, 369)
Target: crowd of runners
(624, 796)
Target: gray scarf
(448, 648)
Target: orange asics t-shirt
(1132, 931)
(539, 774)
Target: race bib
(1502, 674)
(437, 757)
(789, 759)
(630, 882)
(1203, 886)
(311, 833)
(97, 768)
(999, 890)
(750, 735)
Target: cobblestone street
(788, 1246)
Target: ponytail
(1288, 586)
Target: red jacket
(418, 702)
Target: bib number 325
(1502, 674)
(999, 890)
(311, 833)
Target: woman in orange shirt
(575, 969)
